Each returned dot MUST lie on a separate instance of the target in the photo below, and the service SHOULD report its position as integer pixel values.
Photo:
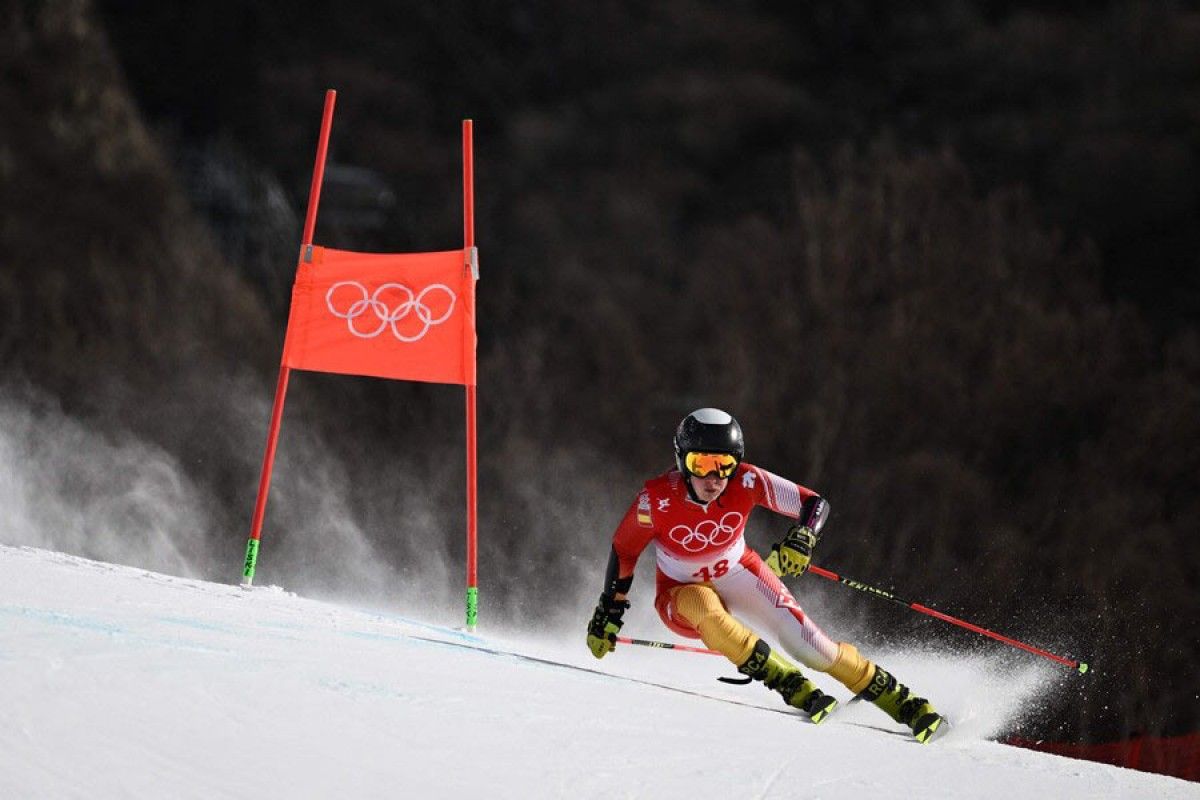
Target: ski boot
(901, 705)
(777, 673)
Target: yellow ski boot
(779, 674)
(901, 705)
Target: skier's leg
(757, 595)
(699, 606)
(768, 666)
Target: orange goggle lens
(701, 464)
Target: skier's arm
(631, 538)
(788, 498)
(793, 554)
(813, 513)
(616, 582)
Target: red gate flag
(408, 316)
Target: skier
(711, 586)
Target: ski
(588, 670)
(924, 732)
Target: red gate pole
(264, 482)
(472, 462)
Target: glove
(793, 555)
(605, 624)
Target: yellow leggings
(701, 606)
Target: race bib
(708, 568)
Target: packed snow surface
(118, 682)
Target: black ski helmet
(708, 430)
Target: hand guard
(606, 623)
(793, 555)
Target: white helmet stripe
(712, 416)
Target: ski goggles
(703, 464)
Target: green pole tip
(472, 607)
(1083, 667)
(251, 561)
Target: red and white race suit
(699, 543)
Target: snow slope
(118, 682)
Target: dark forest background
(941, 264)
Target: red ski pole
(1081, 666)
(740, 680)
(668, 646)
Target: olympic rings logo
(388, 316)
(709, 533)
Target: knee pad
(701, 606)
(850, 669)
